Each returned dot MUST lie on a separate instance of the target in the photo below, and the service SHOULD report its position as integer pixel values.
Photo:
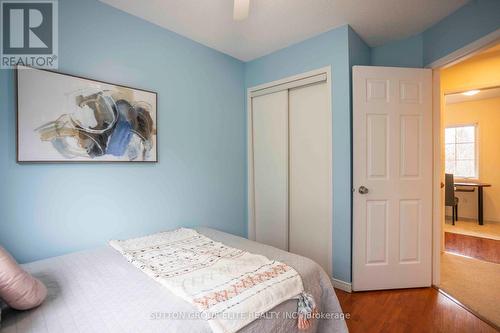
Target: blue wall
(402, 53)
(359, 54)
(328, 49)
(359, 51)
(467, 24)
(47, 210)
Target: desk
(480, 187)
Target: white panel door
(392, 177)
(270, 158)
(311, 173)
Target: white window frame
(476, 148)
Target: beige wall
(480, 71)
(485, 113)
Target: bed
(99, 291)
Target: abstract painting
(65, 118)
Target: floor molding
(342, 285)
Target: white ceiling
(274, 24)
(483, 94)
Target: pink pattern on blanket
(237, 288)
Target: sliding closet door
(311, 173)
(270, 158)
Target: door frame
(327, 70)
(457, 56)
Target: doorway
(378, 251)
(470, 132)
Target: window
(461, 151)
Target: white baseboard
(342, 285)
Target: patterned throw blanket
(230, 287)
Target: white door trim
(437, 197)
(283, 84)
(438, 172)
(290, 85)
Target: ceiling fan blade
(241, 8)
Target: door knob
(363, 190)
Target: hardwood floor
(408, 310)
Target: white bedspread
(229, 286)
(99, 291)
